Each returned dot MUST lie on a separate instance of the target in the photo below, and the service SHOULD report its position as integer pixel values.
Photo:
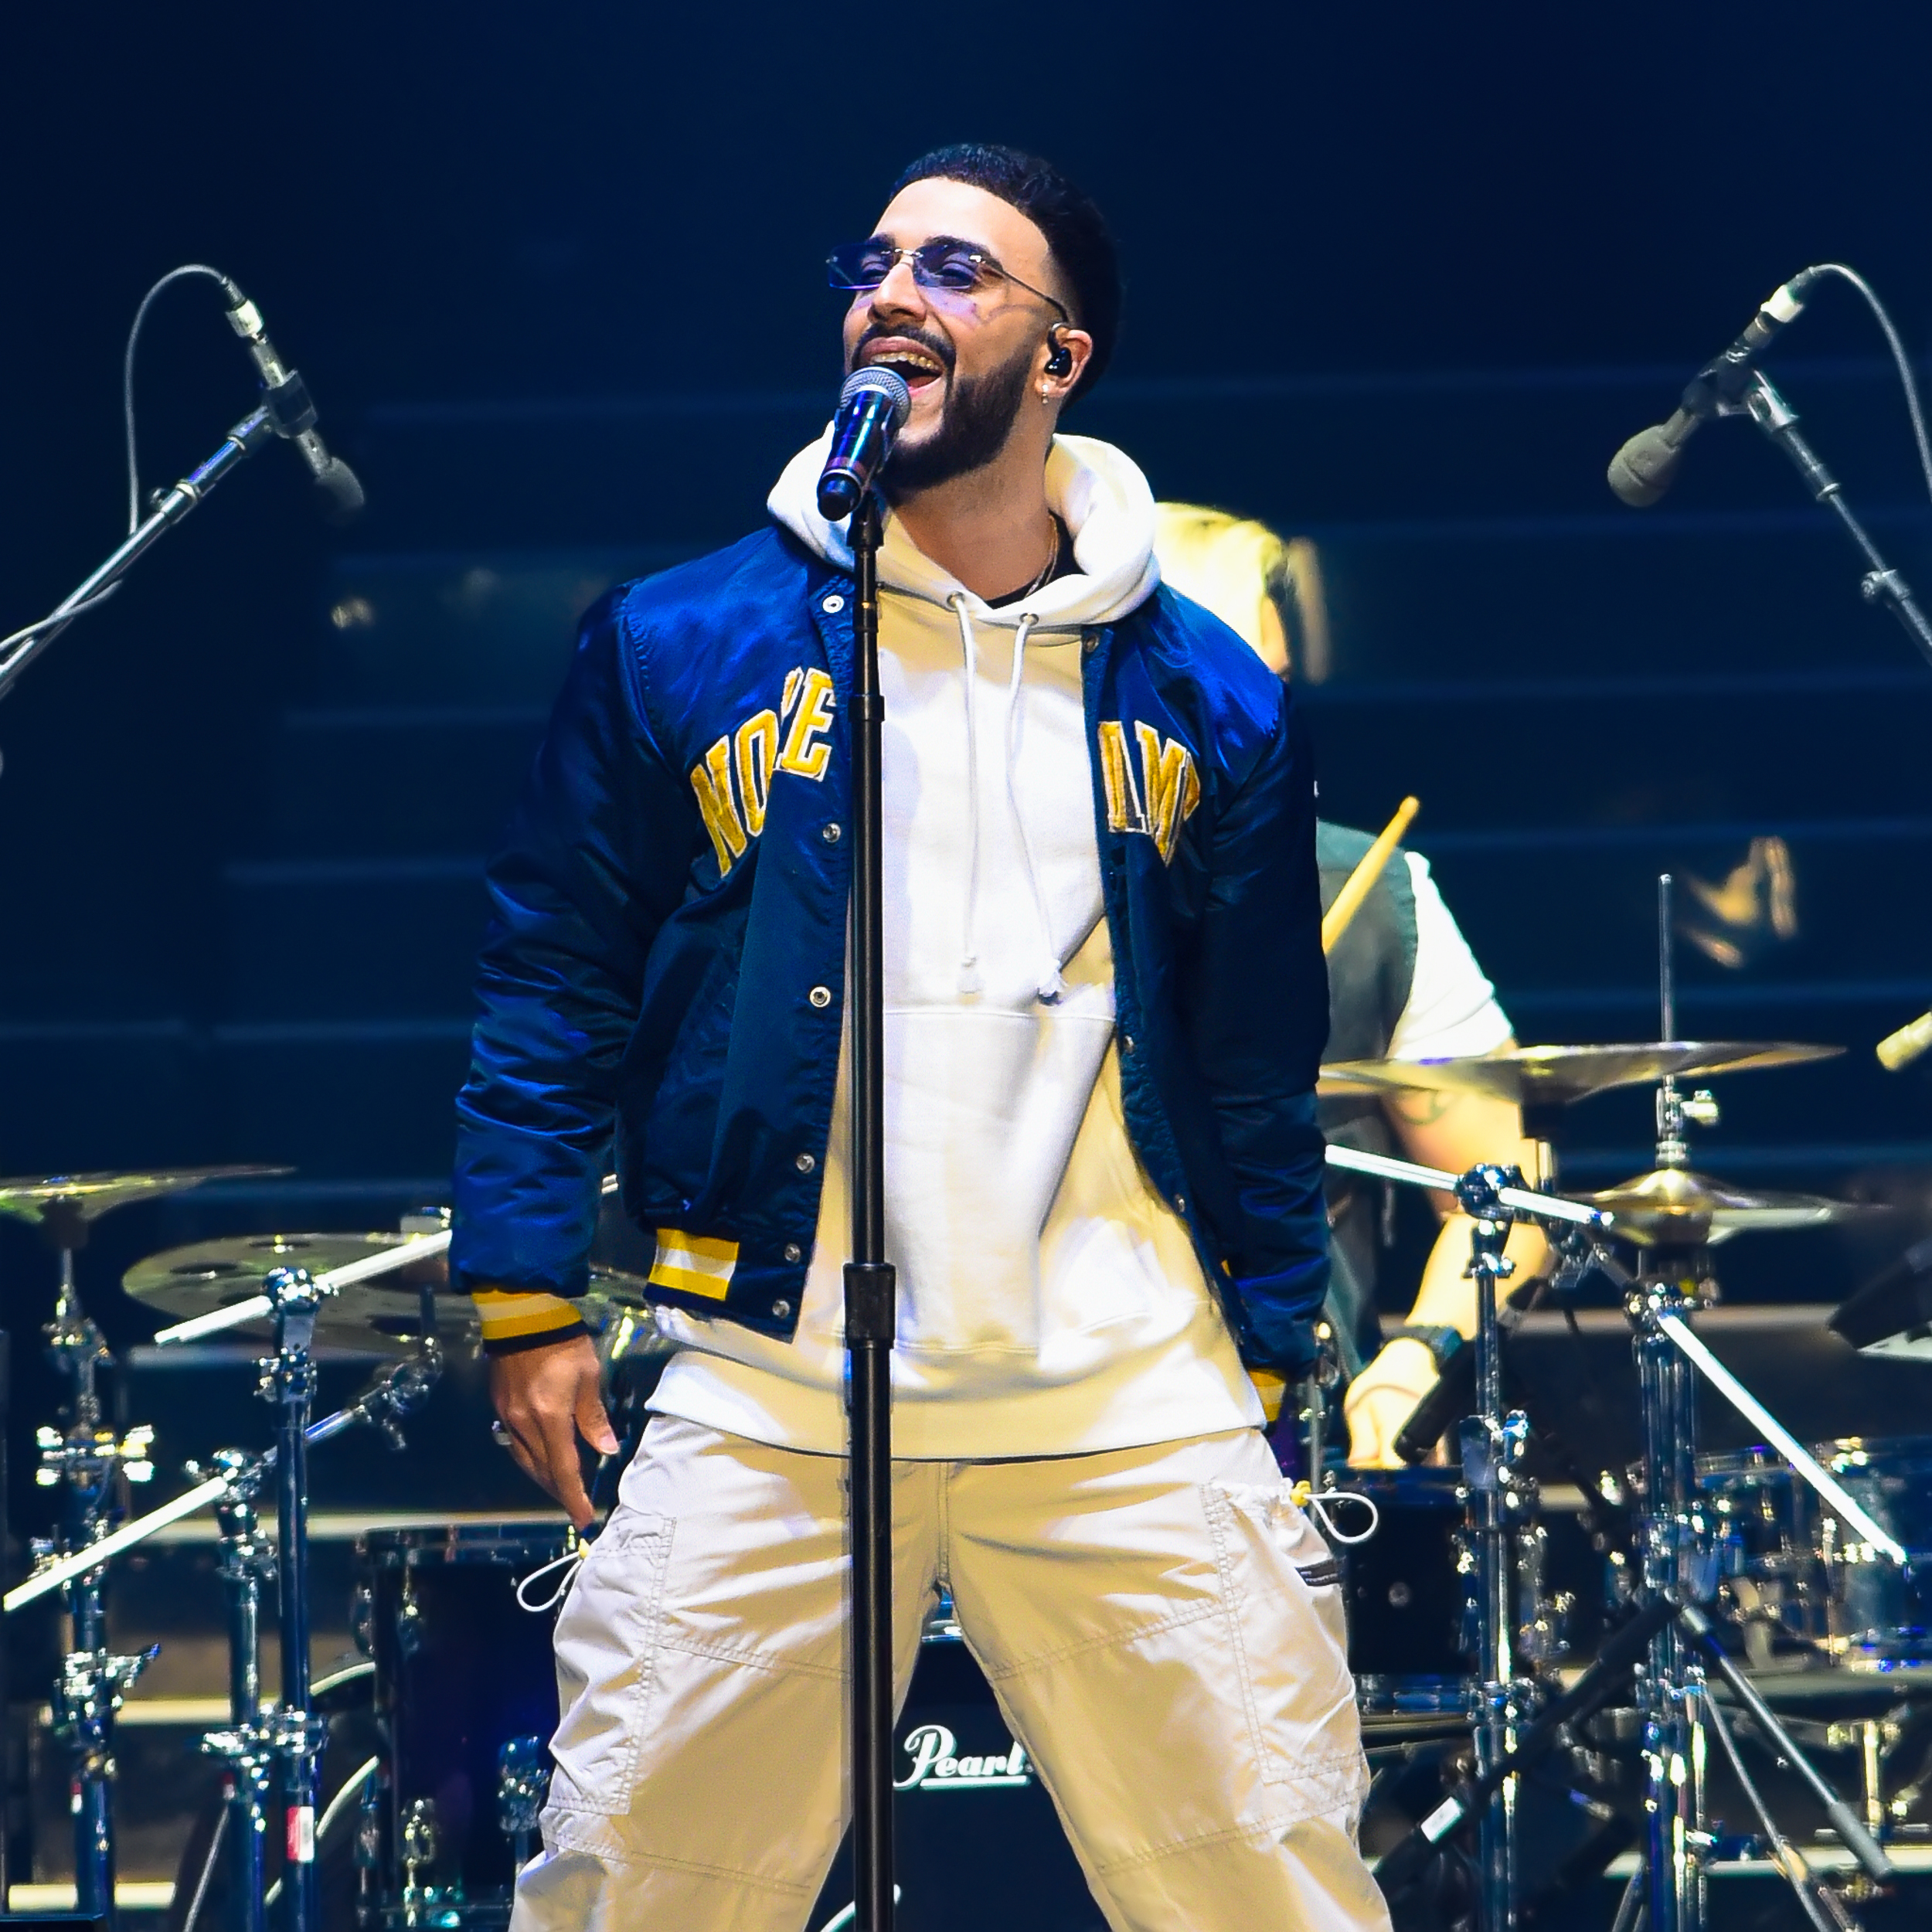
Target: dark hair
(1076, 231)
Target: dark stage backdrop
(1401, 277)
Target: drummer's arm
(1453, 1131)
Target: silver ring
(499, 1433)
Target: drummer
(1402, 984)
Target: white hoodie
(1050, 1301)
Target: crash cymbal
(1673, 1201)
(1546, 1076)
(382, 1315)
(86, 1197)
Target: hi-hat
(383, 1315)
(1674, 1204)
(1547, 1076)
(86, 1197)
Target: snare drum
(462, 1669)
(1790, 1565)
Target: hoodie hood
(1097, 492)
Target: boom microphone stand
(171, 505)
(871, 1282)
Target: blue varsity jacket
(661, 985)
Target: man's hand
(547, 1398)
(1382, 1398)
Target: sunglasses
(944, 266)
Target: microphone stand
(170, 506)
(871, 1311)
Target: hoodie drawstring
(970, 981)
(1052, 987)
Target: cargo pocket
(607, 1639)
(1282, 1588)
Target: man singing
(1105, 1003)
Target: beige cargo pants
(1156, 1623)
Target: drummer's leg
(701, 1662)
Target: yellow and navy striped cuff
(1272, 1390)
(513, 1321)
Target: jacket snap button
(804, 1164)
(794, 1252)
(781, 1309)
(1180, 1204)
(1126, 1043)
(833, 604)
(819, 996)
(831, 835)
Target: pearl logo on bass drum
(937, 1765)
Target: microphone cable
(1901, 361)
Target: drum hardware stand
(248, 1745)
(86, 1461)
(1314, 1395)
(87, 1458)
(1678, 1553)
(1500, 1499)
(523, 1784)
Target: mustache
(877, 332)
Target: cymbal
(1673, 1201)
(382, 1315)
(86, 1197)
(1546, 1076)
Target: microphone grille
(888, 383)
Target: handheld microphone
(1645, 467)
(872, 408)
(286, 397)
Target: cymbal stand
(288, 1383)
(247, 1747)
(1501, 1500)
(88, 1462)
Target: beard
(978, 416)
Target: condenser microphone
(872, 409)
(1645, 467)
(286, 397)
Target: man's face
(969, 360)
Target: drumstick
(1357, 886)
(1899, 1050)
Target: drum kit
(1734, 1585)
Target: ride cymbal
(1547, 1076)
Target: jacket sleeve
(595, 862)
(1257, 1009)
